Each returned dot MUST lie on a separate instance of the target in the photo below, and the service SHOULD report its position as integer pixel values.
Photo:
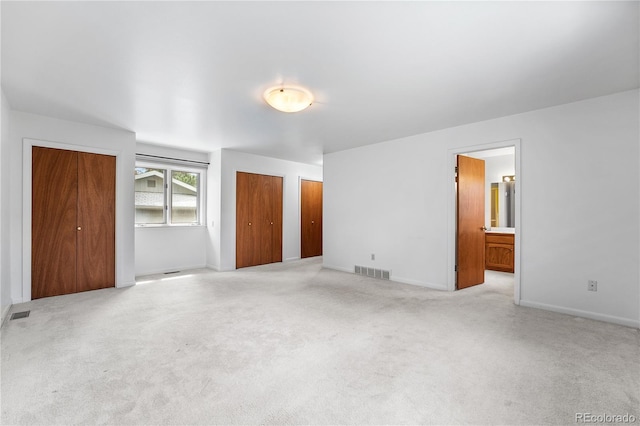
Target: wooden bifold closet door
(258, 219)
(72, 222)
(311, 218)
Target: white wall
(170, 248)
(5, 242)
(232, 162)
(391, 199)
(52, 132)
(214, 179)
(498, 166)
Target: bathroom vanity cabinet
(499, 251)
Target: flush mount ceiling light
(288, 99)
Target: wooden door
(311, 218)
(470, 222)
(275, 219)
(54, 200)
(246, 235)
(72, 222)
(263, 213)
(258, 219)
(96, 221)
(269, 214)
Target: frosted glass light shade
(288, 99)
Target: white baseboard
(393, 278)
(126, 284)
(214, 267)
(218, 268)
(5, 313)
(338, 268)
(583, 314)
(432, 286)
(171, 269)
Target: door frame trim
(451, 220)
(27, 189)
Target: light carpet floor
(294, 343)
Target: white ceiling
(191, 74)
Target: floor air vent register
(372, 272)
(18, 315)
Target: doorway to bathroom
(485, 209)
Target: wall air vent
(372, 272)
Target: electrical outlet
(592, 285)
(373, 256)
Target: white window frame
(168, 168)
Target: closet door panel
(53, 222)
(246, 193)
(262, 212)
(276, 218)
(311, 218)
(96, 221)
(259, 203)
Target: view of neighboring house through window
(150, 196)
(184, 197)
(159, 203)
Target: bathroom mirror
(503, 202)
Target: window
(184, 196)
(150, 196)
(160, 203)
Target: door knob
(484, 228)
(249, 223)
(312, 222)
(79, 228)
(272, 223)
